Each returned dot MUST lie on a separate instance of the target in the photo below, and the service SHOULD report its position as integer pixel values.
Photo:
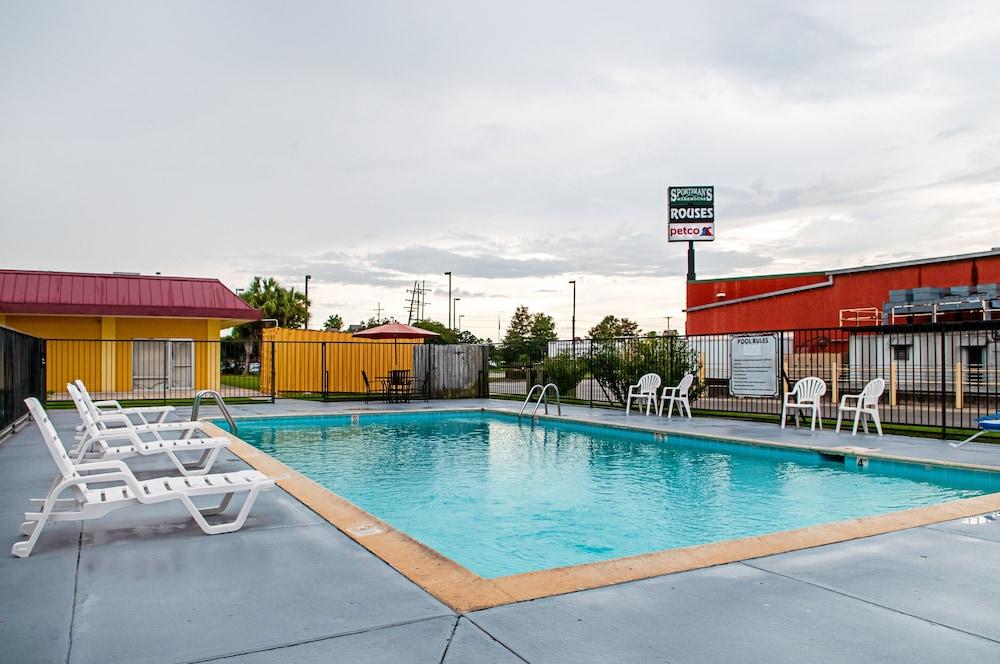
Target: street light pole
(454, 313)
(448, 274)
(573, 334)
(308, 277)
(460, 322)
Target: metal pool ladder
(219, 401)
(541, 397)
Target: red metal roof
(86, 294)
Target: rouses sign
(690, 214)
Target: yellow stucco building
(123, 333)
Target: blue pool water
(502, 497)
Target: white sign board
(753, 365)
(690, 214)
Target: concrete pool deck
(144, 585)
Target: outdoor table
(398, 385)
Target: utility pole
(454, 310)
(448, 274)
(378, 313)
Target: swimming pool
(501, 496)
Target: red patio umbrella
(395, 331)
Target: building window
(901, 353)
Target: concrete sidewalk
(145, 585)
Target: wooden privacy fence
(315, 361)
(453, 372)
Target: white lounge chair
(112, 406)
(646, 390)
(92, 503)
(865, 404)
(95, 445)
(118, 421)
(805, 395)
(679, 394)
(985, 423)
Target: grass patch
(248, 382)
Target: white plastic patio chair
(678, 394)
(805, 395)
(866, 404)
(112, 406)
(95, 445)
(646, 390)
(92, 503)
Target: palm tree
(284, 305)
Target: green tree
(616, 364)
(334, 323)
(542, 331)
(445, 335)
(528, 336)
(515, 340)
(611, 327)
(285, 305)
(374, 322)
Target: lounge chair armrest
(153, 427)
(138, 410)
(112, 403)
(845, 397)
(113, 417)
(114, 464)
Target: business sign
(690, 214)
(753, 365)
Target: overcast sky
(518, 145)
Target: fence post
(325, 373)
(893, 380)
(166, 370)
(701, 369)
(591, 372)
(274, 361)
(835, 381)
(944, 389)
(959, 387)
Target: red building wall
(820, 306)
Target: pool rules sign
(690, 214)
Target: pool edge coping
(463, 590)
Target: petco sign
(690, 214)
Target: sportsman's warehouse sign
(690, 214)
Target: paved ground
(144, 585)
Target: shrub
(565, 371)
(617, 364)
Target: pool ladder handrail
(541, 397)
(219, 401)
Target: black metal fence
(174, 370)
(939, 378)
(22, 375)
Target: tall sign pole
(690, 218)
